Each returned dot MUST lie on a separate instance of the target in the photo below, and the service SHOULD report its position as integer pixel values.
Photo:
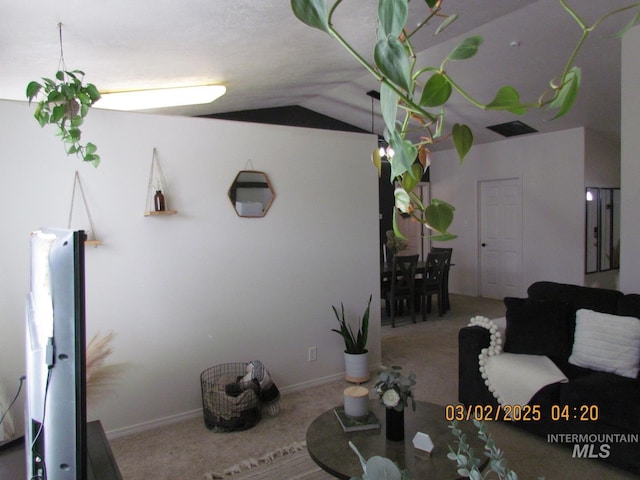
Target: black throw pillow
(539, 327)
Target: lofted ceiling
(267, 58)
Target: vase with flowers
(395, 391)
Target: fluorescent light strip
(160, 98)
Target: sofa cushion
(629, 305)
(597, 299)
(607, 343)
(617, 398)
(538, 327)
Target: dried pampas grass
(101, 379)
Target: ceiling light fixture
(160, 97)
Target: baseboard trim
(152, 424)
(197, 413)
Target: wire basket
(229, 404)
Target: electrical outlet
(312, 354)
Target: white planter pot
(356, 367)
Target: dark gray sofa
(544, 324)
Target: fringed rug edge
(253, 462)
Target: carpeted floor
(189, 451)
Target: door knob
(484, 244)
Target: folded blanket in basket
(269, 393)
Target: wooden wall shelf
(160, 212)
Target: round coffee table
(328, 443)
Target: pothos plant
(413, 95)
(65, 103)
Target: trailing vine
(415, 97)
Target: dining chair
(432, 283)
(445, 281)
(403, 286)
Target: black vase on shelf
(395, 424)
(158, 201)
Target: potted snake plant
(356, 358)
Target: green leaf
(393, 15)
(404, 155)
(402, 200)
(74, 134)
(76, 121)
(447, 21)
(83, 98)
(33, 88)
(376, 159)
(312, 12)
(431, 3)
(57, 113)
(90, 148)
(94, 159)
(412, 177)
(436, 91)
(55, 96)
(392, 60)
(568, 92)
(43, 118)
(462, 139)
(438, 216)
(467, 49)
(60, 75)
(388, 106)
(508, 99)
(93, 92)
(67, 91)
(396, 229)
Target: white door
(501, 238)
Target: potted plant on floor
(356, 358)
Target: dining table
(385, 274)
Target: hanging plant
(65, 102)
(415, 97)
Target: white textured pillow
(607, 343)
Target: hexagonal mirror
(251, 193)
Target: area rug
(291, 462)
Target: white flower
(391, 398)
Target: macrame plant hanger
(91, 239)
(249, 166)
(149, 210)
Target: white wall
(630, 169)
(203, 287)
(551, 168)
